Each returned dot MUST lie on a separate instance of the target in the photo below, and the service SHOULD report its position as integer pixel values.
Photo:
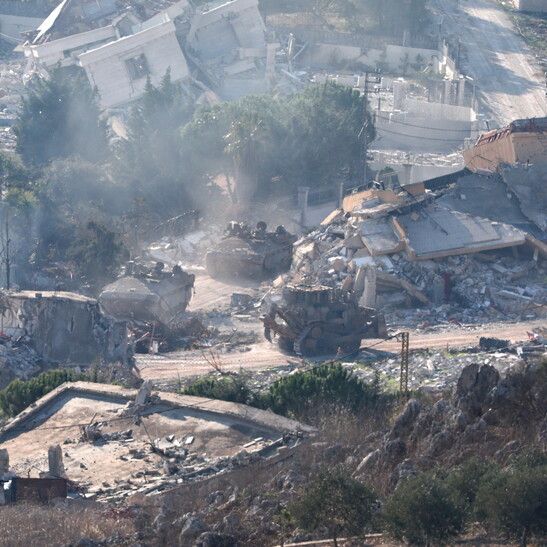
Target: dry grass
(34, 525)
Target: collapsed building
(120, 45)
(63, 327)
(460, 248)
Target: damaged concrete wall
(64, 327)
(53, 52)
(327, 55)
(120, 69)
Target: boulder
(212, 539)
(369, 461)
(192, 528)
(404, 422)
(474, 384)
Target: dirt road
(264, 355)
(509, 83)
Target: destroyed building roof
(531, 125)
(214, 434)
(486, 197)
(435, 232)
(529, 184)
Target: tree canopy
(336, 502)
(59, 118)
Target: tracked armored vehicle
(321, 321)
(252, 254)
(146, 295)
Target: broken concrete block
(359, 285)
(354, 242)
(347, 284)
(144, 393)
(56, 466)
(337, 263)
(368, 300)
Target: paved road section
(509, 82)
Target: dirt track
(265, 355)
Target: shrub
(231, 388)
(423, 511)
(465, 481)
(19, 394)
(514, 501)
(335, 502)
(331, 384)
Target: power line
(423, 126)
(380, 129)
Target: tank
(321, 321)
(149, 295)
(252, 254)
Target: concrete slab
(379, 237)
(528, 184)
(435, 232)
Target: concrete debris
(449, 287)
(143, 395)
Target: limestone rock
(404, 423)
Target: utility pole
(403, 387)
(365, 136)
(363, 133)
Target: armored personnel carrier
(320, 321)
(248, 253)
(149, 295)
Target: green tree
(150, 160)
(60, 117)
(337, 503)
(20, 394)
(98, 252)
(424, 511)
(514, 501)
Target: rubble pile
(464, 288)
(171, 460)
(17, 360)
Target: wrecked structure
(251, 253)
(461, 248)
(120, 45)
(63, 327)
(142, 442)
(149, 295)
(522, 141)
(321, 320)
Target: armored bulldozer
(321, 321)
(248, 253)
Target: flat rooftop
(122, 461)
